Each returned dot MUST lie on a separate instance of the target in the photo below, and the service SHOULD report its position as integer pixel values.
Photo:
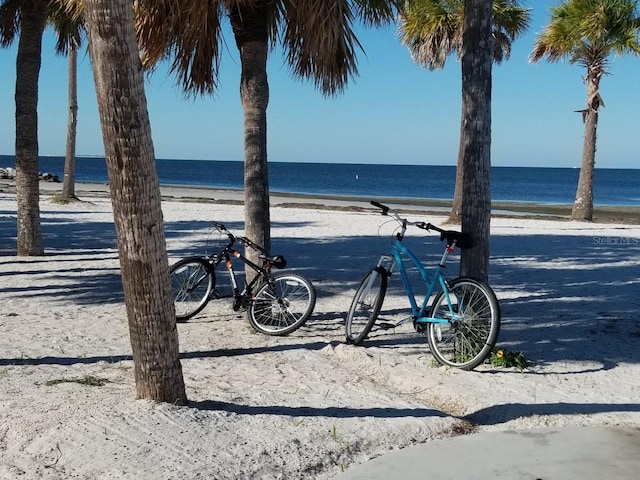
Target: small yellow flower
(499, 354)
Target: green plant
(59, 199)
(501, 357)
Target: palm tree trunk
(476, 105)
(29, 235)
(456, 205)
(68, 184)
(250, 28)
(135, 196)
(583, 205)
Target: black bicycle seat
(462, 239)
(277, 261)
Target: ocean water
(518, 184)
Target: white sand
(307, 405)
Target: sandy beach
(305, 406)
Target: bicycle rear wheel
(192, 281)
(282, 305)
(365, 306)
(467, 340)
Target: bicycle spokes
(282, 305)
(473, 327)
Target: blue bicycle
(463, 321)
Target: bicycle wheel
(192, 281)
(282, 305)
(365, 306)
(467, 340)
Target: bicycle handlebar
(241, 240)
(461, 240)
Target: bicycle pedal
(386, 325)
(419, 327)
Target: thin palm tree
(26, 18)
(319, 45)
(135, 196)
(589, 33)
(432, 30)
(69, 31)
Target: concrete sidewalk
(572, 453)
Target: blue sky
(394, 112)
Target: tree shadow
(497, 414)
(563, 297)
(331, 412)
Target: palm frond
(188, 33)
(375, 13)
(9, 21)
(432, 30)
(589, 31)
(319, 42)
(510, 20)
(68, 22)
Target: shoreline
(602, 213)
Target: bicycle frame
(394, 258)
(262, 273)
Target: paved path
(573, 453)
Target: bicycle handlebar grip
(384, 208)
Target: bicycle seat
(462, 239)
(277, 261)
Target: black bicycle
(276, 304)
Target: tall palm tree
(589, 32)
(69, 30)
(28, 18)
(432, 30)
(319, 45)
(135, 196)
(476, 118)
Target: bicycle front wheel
(282, 305)
(365, 306)
(474, 324)
(192, 281)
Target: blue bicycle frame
(387, 264)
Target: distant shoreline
(602, 213)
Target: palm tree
(135, 196)
(28, 17)
(476, 119)
(318, 41)
(432, 30)
(589, 32)
(69, 29)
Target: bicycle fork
(384, 267)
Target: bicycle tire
(192, 281)
(365, 306)
(466, 342)
(282, 305)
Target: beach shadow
(64, 361)
(569, 297)
(563, 297)
(331, 412)
(497, 414)
(222, 352)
